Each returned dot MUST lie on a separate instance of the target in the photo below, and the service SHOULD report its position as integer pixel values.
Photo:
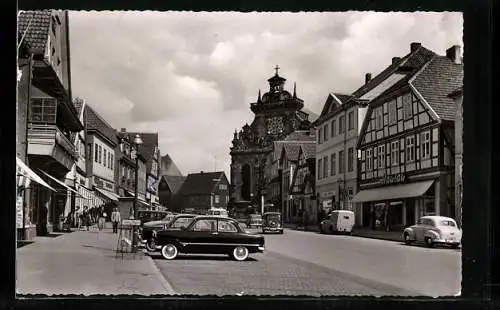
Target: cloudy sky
(191, 76)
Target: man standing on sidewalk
(115, 219)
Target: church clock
(274, 125)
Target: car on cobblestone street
(148, 230)
(434, 230)
(209, 235)
(272, 222)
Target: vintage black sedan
(148, 230)
(272, 222)
(210, 235)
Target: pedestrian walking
(115, 219)
(305, 219)
(85, 219)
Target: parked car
(254, 220)
(210, 235)
(148, 231)
(339, 221)
(272, 222)
(433, 230)
(218, 212)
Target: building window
(96, 155)
(333, 163)
(379, 120)
(395, 153)
(369, 159)
(320, 166)
(333, 128)
(350, 159)
(319, 135)
(381, 156)
(90, 151)
(407, 106)
(341, 162)
(325, 132)
(43, 110)
(105, 162)
(341, 124)
(325, 166)
(410, 149)
(217, 199)
(112, 161)
(350, 120)
(425, 147)
(100, 154)
(393, 112)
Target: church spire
(258, 99)
(294, 90)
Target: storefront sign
(19, 212)
(393, 179)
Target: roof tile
(436, 81)
(37, 34)
(200, 183)
(93, 121)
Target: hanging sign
(393, 179)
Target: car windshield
(181, 222)
(447, 223)
(255, 217)
(272, 218)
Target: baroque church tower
(277, 114)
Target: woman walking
(101, 218)
(115, 219)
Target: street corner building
(278, 113)
(202, 191)
(46, 119)
(407, 140)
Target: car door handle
(215, 233)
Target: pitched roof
(436, 81)
(149, 143)
(312, 115)
(413, 60)
(37, 34)
(292, 151)
(174, 182)
(93, 121)
(300, 135)
(309, 150)
(168, 167)
(201, 183)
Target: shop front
(398, 201)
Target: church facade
(277, 114)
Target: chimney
(123, 130)
(201, 172)
(395, 59)
(414, 46)
(368, 77)
(453, 53)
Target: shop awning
(60, 182)
(30, 174)
(109, 195)
(393, 192)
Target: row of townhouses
(391, 151)
(68, 157)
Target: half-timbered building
(302, 189)
(406, 144)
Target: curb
(377, 238)
(166, 285)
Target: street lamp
(137, 143)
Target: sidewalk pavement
(85, 262)
(363, 232)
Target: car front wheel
(428, 242)
(407, 238)
(240, 253)
(169, 251)
(151, 245)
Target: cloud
(191, 76)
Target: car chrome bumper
(446, 241)
(261, 249)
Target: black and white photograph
(239, 153)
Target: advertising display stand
(125, 242)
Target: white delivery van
(340, 221)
